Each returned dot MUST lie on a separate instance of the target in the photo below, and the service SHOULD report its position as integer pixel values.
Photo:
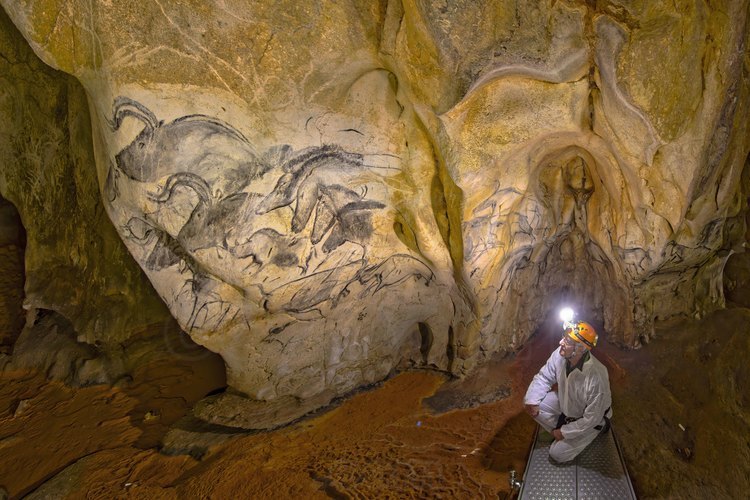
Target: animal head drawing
(132, 159)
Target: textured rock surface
(372, 445)
(323, 191)
(12, 243)
(737, 279)
(75, 263)
(48, 426)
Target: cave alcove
(12, 248)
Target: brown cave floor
(388, 442)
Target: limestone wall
(75, 263)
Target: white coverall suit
(584, 394)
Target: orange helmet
(583, 333)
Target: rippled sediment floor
(382, 442)
(389, 441)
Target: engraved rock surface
(324, 191)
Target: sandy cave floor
(391, 441)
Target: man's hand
(557, 433)
(532, 410)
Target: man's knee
(546, 421)
(561, 453)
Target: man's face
(569, 347)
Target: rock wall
(12, 244)
(323, 191)
(71, 259)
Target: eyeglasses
(567, 340)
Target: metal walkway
(597, 473)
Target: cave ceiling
(323, 191)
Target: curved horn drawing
(194, 182)
(124, 106)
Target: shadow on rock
(512, 442)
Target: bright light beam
(567, 314)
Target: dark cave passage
(12, 275)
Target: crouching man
(580, 408)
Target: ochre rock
(324, 191)
(74, 262)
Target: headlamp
(566, 315)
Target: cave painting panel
(241, 243)
(412, 169)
